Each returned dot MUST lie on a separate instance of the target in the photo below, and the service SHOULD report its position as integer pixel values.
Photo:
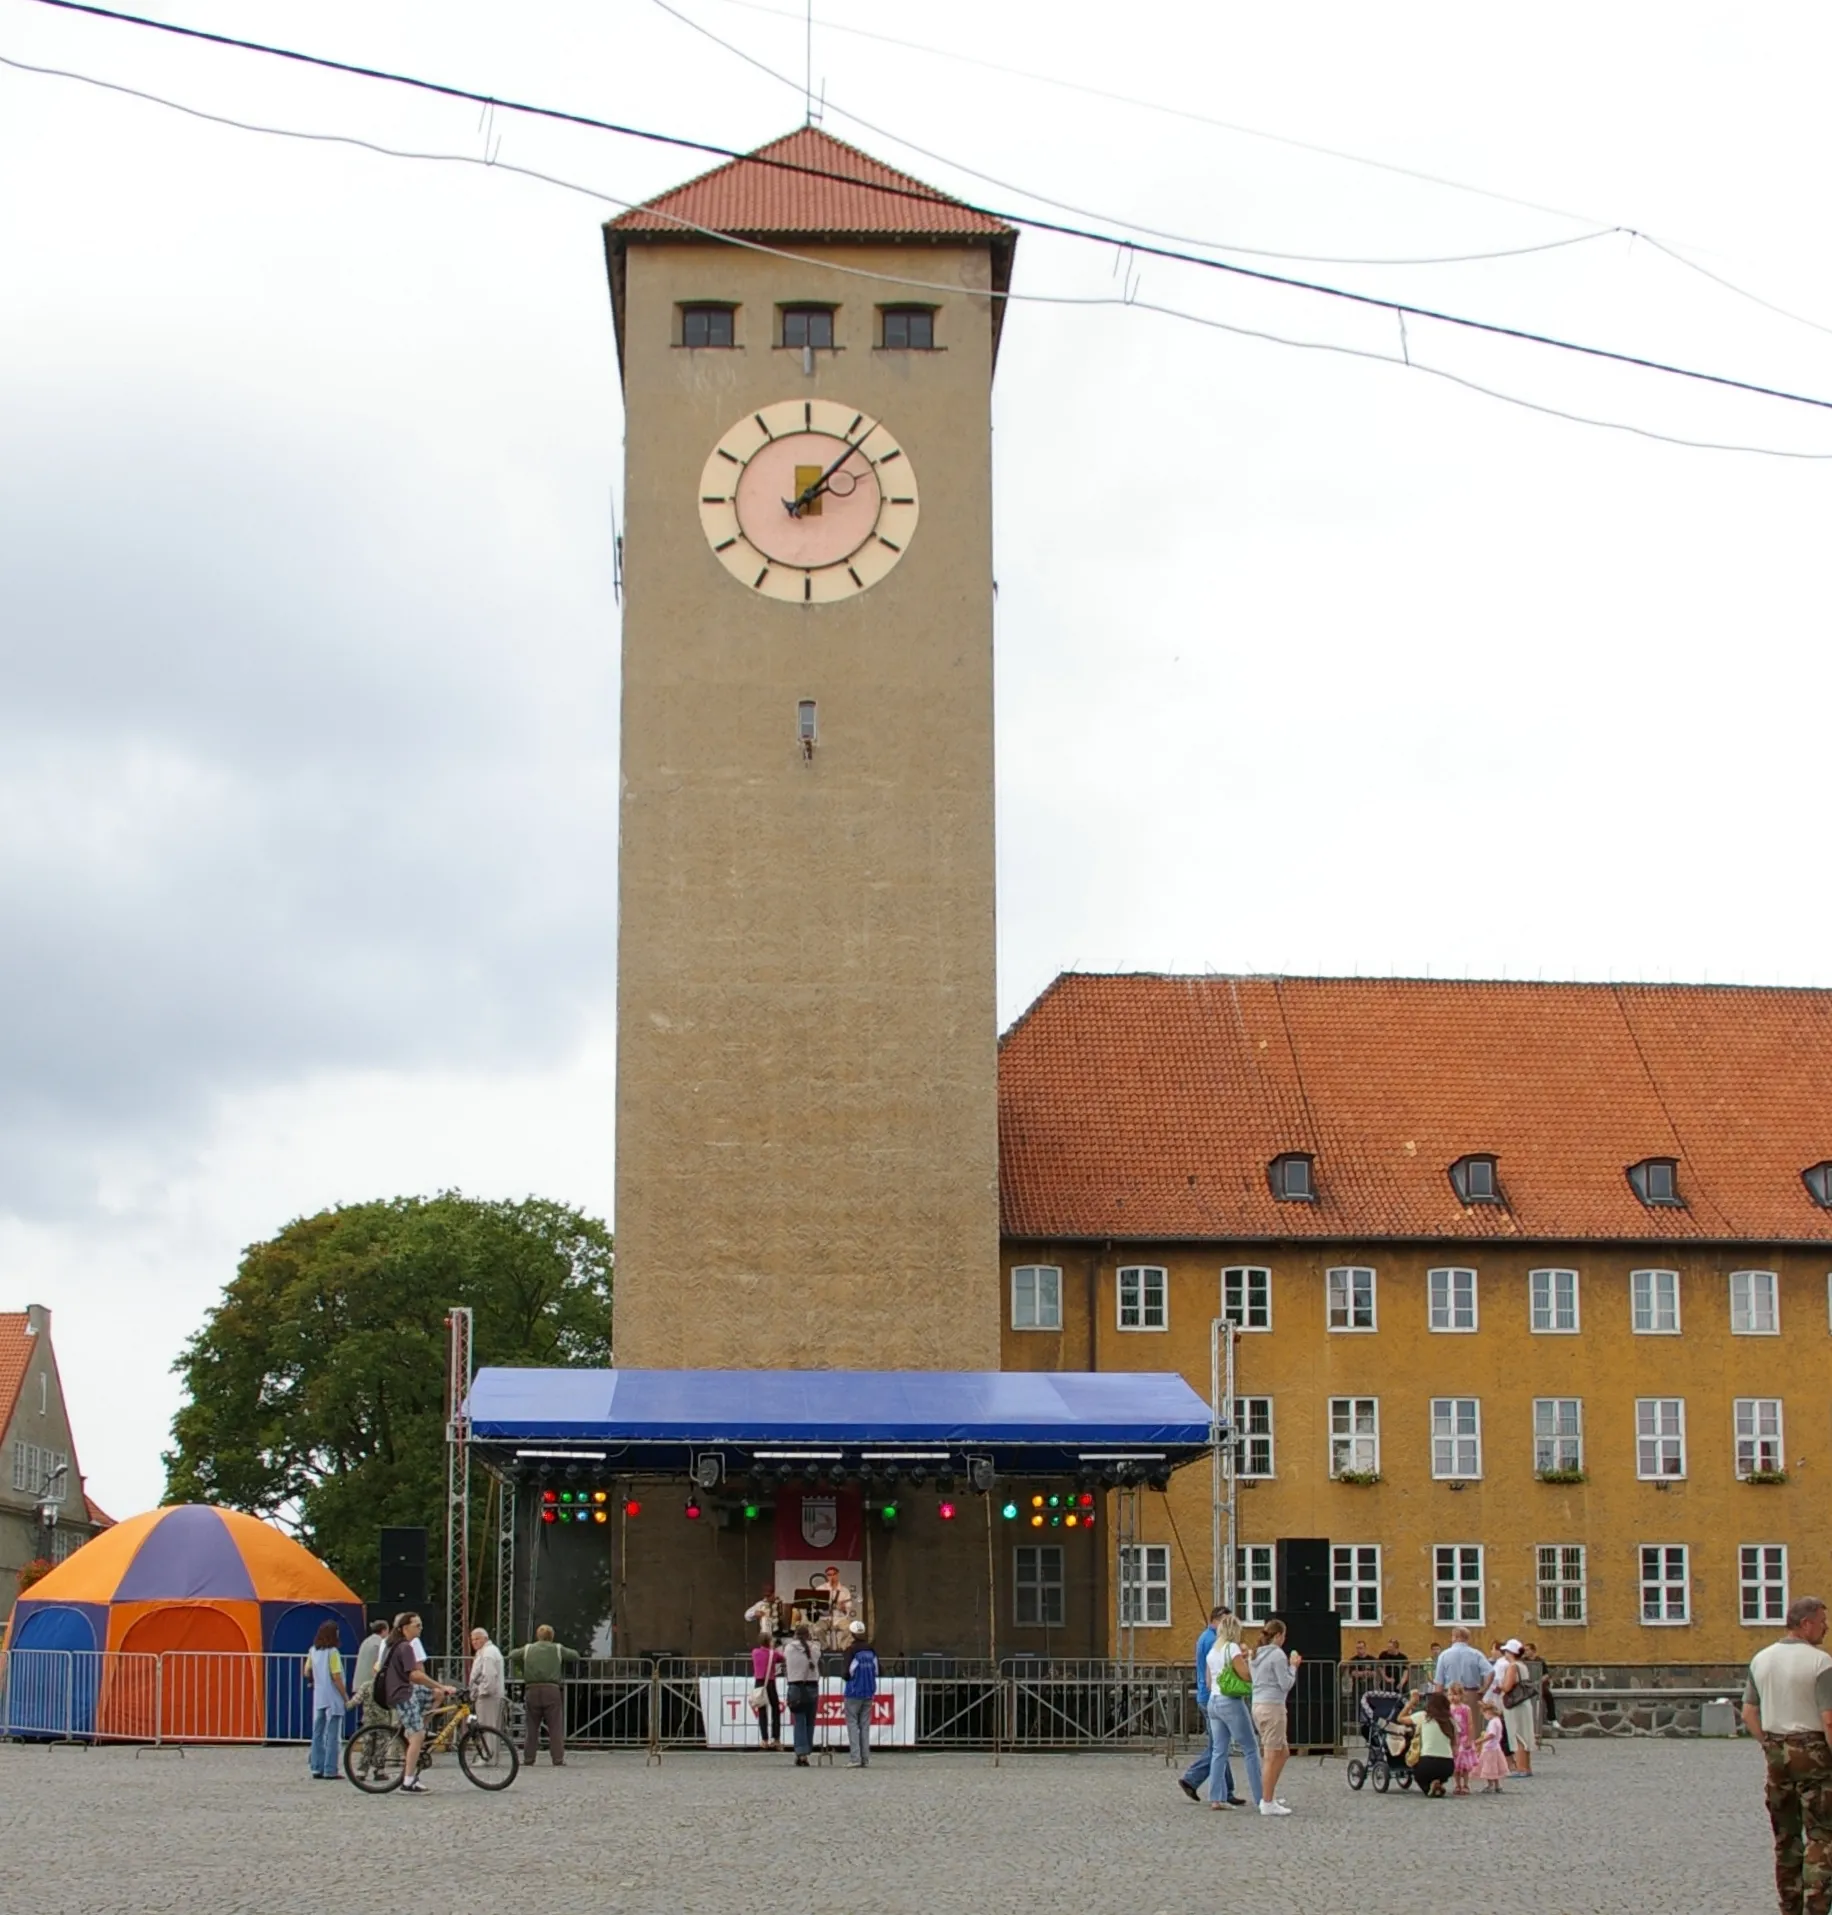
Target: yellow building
(1529, 1284)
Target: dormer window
(808, 326)
(1290, 1178)
(1656, 1182)
(1474, 1180)
(1818, 1181)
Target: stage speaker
(1312, 1711)
(403, 1571)
(1303, 1573)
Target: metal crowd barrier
(1053, 1704)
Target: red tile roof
(789, 186)
(1150, 1106)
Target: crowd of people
(791, 1653)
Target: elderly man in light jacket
(489, 1693)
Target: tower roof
(808, 183)
(809, 186)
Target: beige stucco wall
(49, 1428)
(806, 1104)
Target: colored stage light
(1071, 1520)
(632, 1507)
(1037, 1520)
(1055, 1502)
(693, 1509)
(752, 1511)
(1010, 1512)
(549, 1514)
(888, 1515)
(604, 1516)
(946, 1512)
(1085, 1500)
(1036, 1502)
(601, 1496)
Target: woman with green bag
(1230, 1721)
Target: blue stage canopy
(1030, 1421)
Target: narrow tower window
(907, 328)
(807, 726)
(808, 326)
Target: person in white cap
(861, 1687)
(1513, 1693)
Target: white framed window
(44, 1392)
(1554, 1306)
(1654, 1302)
(1354, 1435)
(1143, 1297)
(1660, 1436)
(1253, 1435)
(1759, 1445)
(1355, 1581)
(1456, 1436)
(1666, 1583)
(1456, 1583)
(1253, 1581)
(1036, 1297)
(1762, 1582)
(1561, 1583)
(1036, 1585)
(1350, 1288)
(1558, 1432)
(1453, 1300)
(1755, 1303)
(1246, 1299)
(1145, 1585)
(35, 1471)
(65, 1542)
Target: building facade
(807, 1028)
(41, 1465)
(1530, 1285)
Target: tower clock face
(808, 501)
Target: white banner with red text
(725, 1702)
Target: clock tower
(806, 1019)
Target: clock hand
(813, 491)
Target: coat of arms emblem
(820, 1521)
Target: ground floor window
(1456, 1581)
(1561, 1582)
(1355, 1581)
(1037, 1585)
(1762, 1576)
(1145, 1585)
(1253, 1582)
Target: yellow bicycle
(375, 1758)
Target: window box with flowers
(1563, 1475)
(1363, 1477)
(1765, 1476)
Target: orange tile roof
(788, 187)
(15, 1357)
(1150, 1106)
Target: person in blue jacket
(1192, 1778)
(861, 1686)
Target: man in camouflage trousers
(1787, 1707)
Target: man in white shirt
(489, 1692)
(1787, 1707)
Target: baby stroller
(1388, 1738)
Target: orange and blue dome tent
(204, 1591)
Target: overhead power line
(1401, 309)
(497, 165)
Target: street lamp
(50, 1494)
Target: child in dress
(1491, 1764)
(1466, 1739)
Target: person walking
(362, 1681)
(541, 1663)
(1275, 1674)
(403, 1685)
(1230, 1684)
(323, 1668)
(1192, 1778)
(489, 1690)
(766, 1703)
(802, 1670)
(861, 1686)
(1437, 1733)
(1787, 1707)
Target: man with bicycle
(403, 1685)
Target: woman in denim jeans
(802, 1666)
(1230, 1720)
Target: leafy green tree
(316, 1387)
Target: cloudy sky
(308, 462)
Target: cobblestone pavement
(1618, 1828)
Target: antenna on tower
(808, 81)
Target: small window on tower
(707, 325)
(908, 328)
(808, 326)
